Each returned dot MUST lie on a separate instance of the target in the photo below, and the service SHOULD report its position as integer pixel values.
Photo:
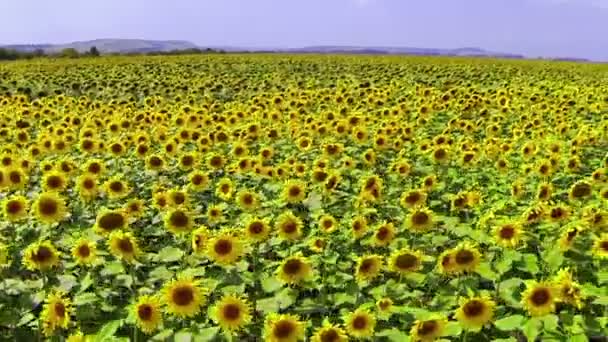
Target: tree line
(11, 54)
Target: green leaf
(161, 272)
(67, 282)
(170, 254)
(25, 319)
(531, 328)
(601, 300)
(106, 333)
(394, 335)
(85, 298)
(113, 268)
(86, 282)
(554, 259)
(531, 264)
(452, 329)
(550, 322)
(207, 334)
(415, 277)
(124, 280)
(343, 297)
(182, 336)
(485, 271)
(510, 322)
(508, 289)
(271, 284)
(503, 265)
(163, 335)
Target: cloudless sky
(556, 28)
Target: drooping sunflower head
(405, 261)
(558, 213)
(475, 312)
(539, 298)
(49, 208)
(283, 328)
(580, 190)
(429, 329)
(294, 270)
(40, 256)
(123, 245)
(360, 324)
(15, 208)
(110, 220)
(569, 290)
(545, 191)
(225, 248)
(368, 267)
(232, 313)
(183, 297)
(148, 314)
(84, 252)
(178, 221)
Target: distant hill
(110, 46)
(467, 51)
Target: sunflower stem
(254, 290)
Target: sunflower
(413, 199)
(178, 198)
(155, 162)
(474, 313)
(224, 189)
(580, 190)
(55, 313)
(558, 213)
(248, 200)
(329, 333)
(384, 305)
(40, 256)
(225, 248)
(283, 328)
(84, 252)
(160, 200)
(215, 214)
(216, 161)
(95, 167)
(569, 290)
(545, 191)
(231, 313)
(198, 180)
(110, 220)
(148, 314)
(49, 208)
(257, 229)
(289, 226)
(15, 208)
(420, 220)
(327, 223)
(368, 267)
(200, 238)
(539, 298)
(134, 208)
(123, 245)
(178, 221)
(508, 234)
(183, 297)
(466, 257)
(358, 226)
(566, 240)
(600, 246)
(294, 191)
(86, 184)
(360, 324)
(294, 270)
(116, 188)
(405, 261)
(384, 235)
(16, 178)
(54, 181)
(428, 330)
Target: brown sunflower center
(289, 227)
(604, 246)
(507, 232)
(125, 245)
(366, 265)
(256, 227)
(473, 308)
(48, 206)
(420, 218)
(84, 251)
(427, 328)
(54, 182)
(464, 257)
(283, 329)
(144, 312)
(59, 309)
(231, 312)
(88, 184)
(197, 179)
(383, 233)
(581, 190)
(359, 323)
(294, 191)
(183, 295)
(293, 266)
(223, 247)
(540, 297)
(43, 254)
(116, 186)
(111, 221)
(406, 261)
(413, 198)
(14, 207)
(179, 219)
(330, 336)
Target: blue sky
(564, 28)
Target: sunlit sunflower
(413, 199)
(385, 305)
(16, 178)
(384, 234)
(49, 208)
(225, 248)
(569, 290)
(160, 200)
(600, 246)
(327, 224)
(123, 245)
(294, 191)
(294, 270)
(466, 257)
(56, 313)
(224, 189)
(84, 252)
(178, 221)
(283, 328)
(231, 313)
(475, 312)
(110, 220)
(87, 187)
(178, 198)
(148, 314)
(428, 330)
(368, 267)
(134, 208)
(257, 229)
(289, 226)
(317, 244)
(420, 220)
(116, 188)
(248, 200)
(329, 333)
(54, 181)
(558, 213)
(539, 298)
(40, 256)
(155, 163)
(405, 261)
(580, 190)
(566, 239)
(198, 180)
(508, 234)
(360, 323)
(15, 208)
(545, 191)
(183, 297)
(215, 214)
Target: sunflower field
(294, 198)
